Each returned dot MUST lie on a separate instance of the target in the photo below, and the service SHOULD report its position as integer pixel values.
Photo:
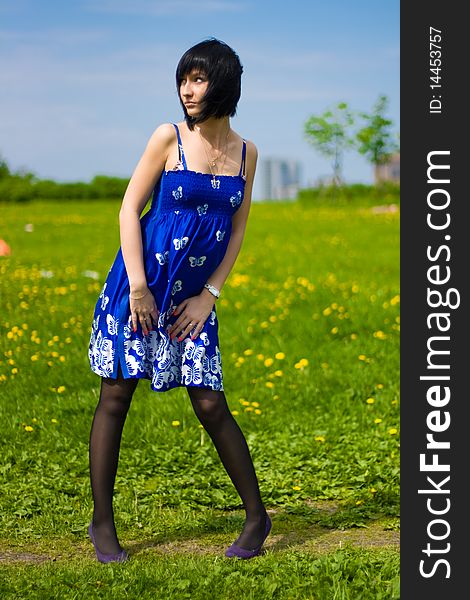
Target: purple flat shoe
(236, 551)
(106, 558)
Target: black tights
(214, 414)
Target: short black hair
(223, 69)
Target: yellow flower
(372, 490)
(334, 330)
(234, 413)
(175, 423)
(268, 362)
(370, 400)
(244, 402)
(248, 409)
(14, 370)
(54, 421)
(255, 404)
(28, 428)
(353, 336)
(269, 384)
(361, 357)
(296, 487)
(327, 311)
(278, 373)
(378, 420)
(379, 386)
(358, 502)
(248, 352)
(61, 389)
(257, 411)
(280, 355)
(393, 431)
(303, 362)
(276, 396)
(319, 438)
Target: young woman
(156, 317)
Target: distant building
(389, 171)
(280, 179)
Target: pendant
(215, 183)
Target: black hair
(223, 69)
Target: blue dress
(185, 235)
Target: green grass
(315, 283)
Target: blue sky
(85, 83)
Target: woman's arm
(239, 221)
(139, 189)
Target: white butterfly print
(159, 379)
(112, 324)
(215, 183)
(177, 212)
(192, 373)
(212, 381)
(177, 287)
(162, 257)
(212, 317)
(132, 364)
(95, 323)
(104, 299)
(193, 351)
(237, 199)
(178, 193)
(212, 364)
(205, 338)
(197, 262)
(219, 235)
(128, 330)
(202, 209)
(180, 243)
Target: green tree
(375, 140)
(330, 135)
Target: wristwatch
(213, 290)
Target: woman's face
(193, 86)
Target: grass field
(309, 333)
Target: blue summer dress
(185, 235)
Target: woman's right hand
(144, 311)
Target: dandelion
(269, 384)
(378, 420)
(319, 438)
(370, 400)
(255, 404)
(268, 362)
(358, 502)
(248, 352)
(276, 397)
(361, 357)
(260, 356)
(249, 409)
(244, 402)
(372, 490)
(278, 373)
(257, 411)
(28, 428)
(393, 431)
(234, 413)
(334, 330)
(54, 421)
(379, 386)
(296, 487)
(279, 355)
(61, 389)
(175, 423)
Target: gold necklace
(215, 182)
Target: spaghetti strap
(242, 166)
(181, 156)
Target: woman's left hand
(194, 312)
